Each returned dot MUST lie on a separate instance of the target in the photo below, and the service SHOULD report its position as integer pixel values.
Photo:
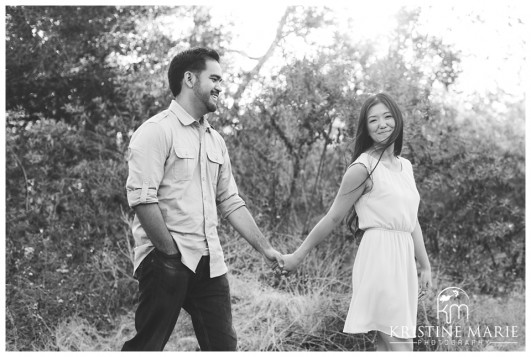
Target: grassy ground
(265, 318)
(270, 318)
(303, 312)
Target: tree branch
(262, 60)
(283, 137)
(243, 53)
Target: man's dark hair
(194, 60)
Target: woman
(379, 188)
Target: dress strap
(364, 160)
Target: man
(179, 176)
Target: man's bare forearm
(244, 224)
(153, 223)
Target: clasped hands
(282, 264)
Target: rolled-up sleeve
(146, 157)
(228, 199)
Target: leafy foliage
(66, 252)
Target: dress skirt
(385, 285)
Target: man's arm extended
(244, 223)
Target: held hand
(274, 259)
(290, 263)
(424, 282)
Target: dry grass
(304, 312)
(266, 318)
(270, 319)
(76, 334)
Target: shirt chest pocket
(214, 162)
(183, 167)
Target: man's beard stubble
(204, 97)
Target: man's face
(207, 86)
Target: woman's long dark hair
(363, 142)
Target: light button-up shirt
(184, 166)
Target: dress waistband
(385, 229)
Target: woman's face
(380, 123)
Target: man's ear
(189, 79)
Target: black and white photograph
(321, 176)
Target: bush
(66, 240)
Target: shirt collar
(184, 117)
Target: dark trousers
(166, 285)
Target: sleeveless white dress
(384, 275)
